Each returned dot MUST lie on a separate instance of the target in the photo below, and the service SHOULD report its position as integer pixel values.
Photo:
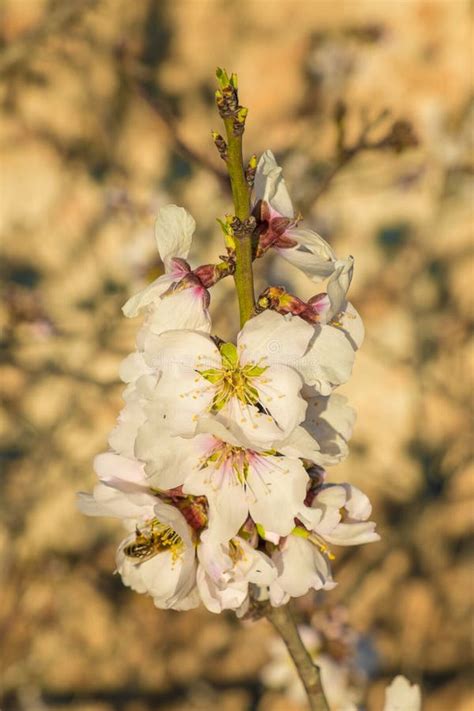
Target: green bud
(230, 357)
(222, 77)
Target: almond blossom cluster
(217, 463)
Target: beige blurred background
(106, 111)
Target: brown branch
(399, 137)
(282, 620)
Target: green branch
(243, 225)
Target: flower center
(315, 539)
(228, 459)
(155, 538)
(233, 379)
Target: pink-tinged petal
(270, 185)
(276, 489)
(174, 229)
(273, 339)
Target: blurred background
(106, 112)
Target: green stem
(282, 620)
(243, 244)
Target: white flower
(176, 299)
(302, 247)
(158, 555)
(337, 515)
(225, 571)
(237, 478)
(252, 384)
(402, 696)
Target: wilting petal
(270, 185)
(338, 285)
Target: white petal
(174, 229)
(228, 508)
(119, 471)
(270, 185)
(122, 437)
(352, 325)
(271, 338)
(328, 361)
(181, 351)
(165, 456)
(253, 428)
(402, 696)
(279, 392)
(185, 308)
(182, 392)
(358, 504)
(276, 489)
(352, 534)
(312, 255)
(107, 501)
(149, 295)
(300, 444)
(330, 421)
(133, 367)
(302, 567)
(189, 602)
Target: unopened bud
(221, 145)
(251, 170)
(278, 299)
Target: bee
(159, 537)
